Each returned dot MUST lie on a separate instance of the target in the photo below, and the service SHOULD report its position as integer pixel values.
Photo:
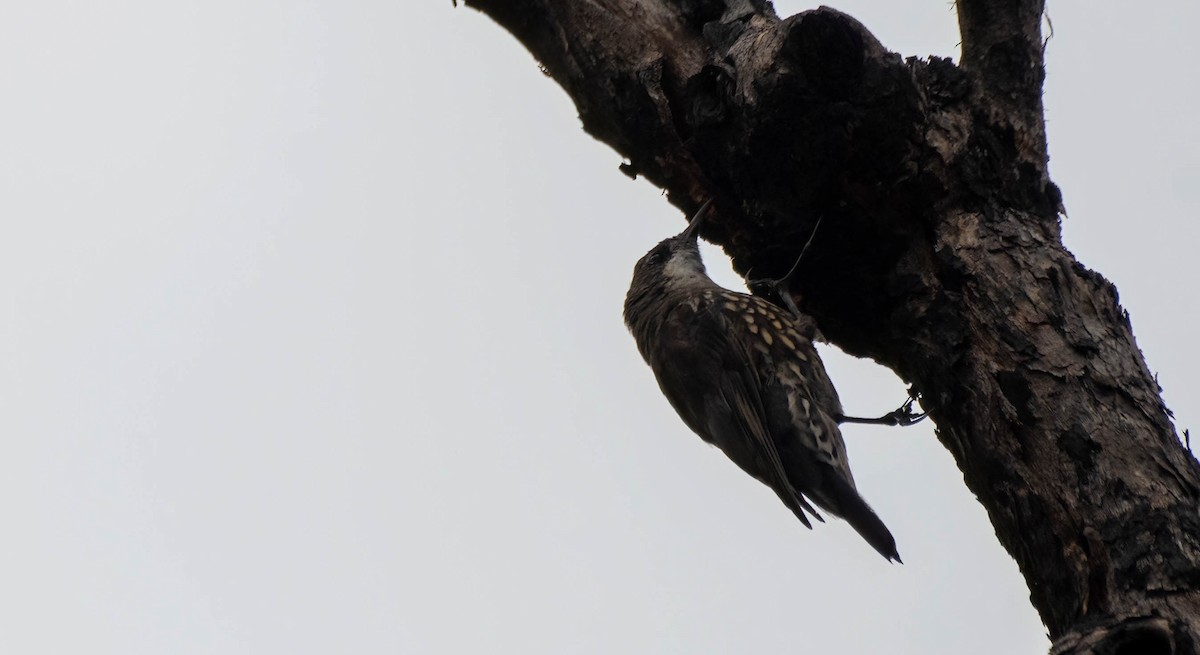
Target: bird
(743, 375)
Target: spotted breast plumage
(743, 374)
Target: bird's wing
(725, 406)
(795, 387)
(740, 391)
(812, 451)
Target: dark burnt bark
(939, 256)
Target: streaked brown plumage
(744, 375)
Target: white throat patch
(685, 268)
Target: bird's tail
(848, 504)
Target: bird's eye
(657, 256)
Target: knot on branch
(1141, 635)
(710, 96)
(830, 48)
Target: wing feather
(725, 409)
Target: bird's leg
(903, 415)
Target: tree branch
(939, 256)
(1002, 48)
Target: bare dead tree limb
(940, 256)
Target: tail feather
(849, 505)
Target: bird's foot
(902, 416)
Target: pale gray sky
(313, 344)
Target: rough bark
(939, 256)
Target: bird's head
(675, 261)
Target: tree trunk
(939, 255)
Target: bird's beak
(692, 231)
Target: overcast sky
(312, 343)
